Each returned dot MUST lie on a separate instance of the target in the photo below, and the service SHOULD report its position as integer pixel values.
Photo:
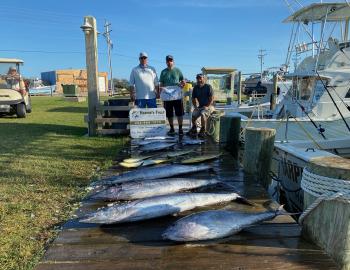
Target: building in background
(73, 76)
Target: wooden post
(230, 130)
(328, 225)
(274, 93)
(90, 30)
(258, 149)
(239, 90)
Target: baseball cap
(169, 57)
(12, 68)
(199, 75)
(143, 54)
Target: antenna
(106, 34)
(261, 56)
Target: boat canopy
(11, 60)
(306, 74)
(217, 70)
(318, 12)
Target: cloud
(218, 4)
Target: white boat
(320, 92)
(37, 87)
(316, 104)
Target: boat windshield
(306, 88)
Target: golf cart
(14, 98)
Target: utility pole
(261, 56)
(106, 34)
(90, 30)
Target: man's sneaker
(171, 132)
(181, 132)
(202, 134)
(192, 132)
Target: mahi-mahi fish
(150, 188)
(157, 207)
(152, 173)
(214, 224)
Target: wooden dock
(273, 245)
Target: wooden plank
(186, 252)
(230, 262)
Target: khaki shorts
(198, 112)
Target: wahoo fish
(150, 188)
(156, 146)
(158, 138)
(192, 141)
(164, 171)
(141, 143)
(214, 224)
(179, 153)
(156, 207)
(150, 162)
(198, 159)
(136, 159)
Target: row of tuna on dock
(154, 192)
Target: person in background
(14, 81)
(186, 92)
(172, 76)
(202, 100)
(144, 83)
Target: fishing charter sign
(147, 122)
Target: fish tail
(244, 200)
(281, 211)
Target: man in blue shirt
(144, 83)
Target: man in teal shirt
(172, 76)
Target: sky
(221, 33)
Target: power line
(106, 34)
(261, 55)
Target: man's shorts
(172, 105)
(143, 103)
(198, 112)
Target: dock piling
(258, 149)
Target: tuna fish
(152, 173)
(214, 224)
(149, 188)
(156, 207)
(156, 146)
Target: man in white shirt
(144, 83)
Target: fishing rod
(319, 128)
(335, 104)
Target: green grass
(45, 164)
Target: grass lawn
(45, 163)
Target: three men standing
(172, 76)
(144, 83)
(145, 90)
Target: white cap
(143, 54)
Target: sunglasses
(143, 57)
(169, 60)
